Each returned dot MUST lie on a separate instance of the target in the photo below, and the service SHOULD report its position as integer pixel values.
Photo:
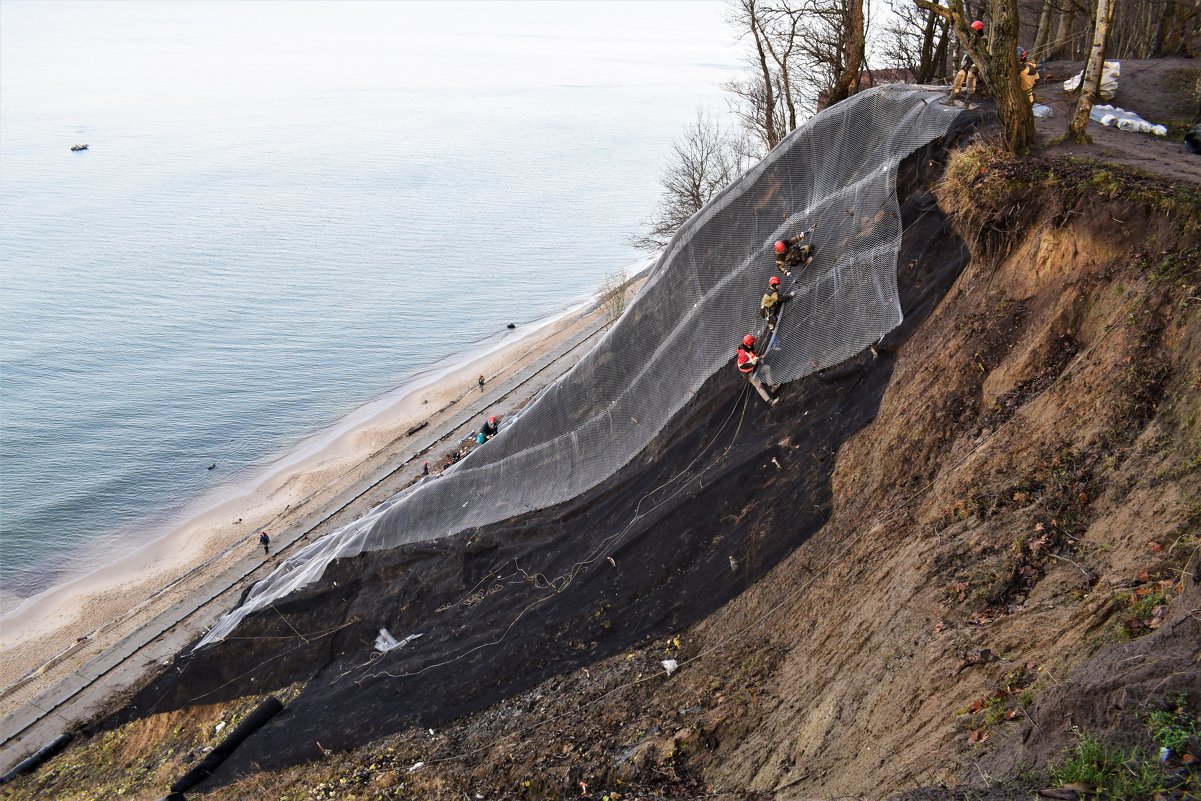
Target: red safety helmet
(749, 340)
(773, 281)
(780, 246)
(977, 26)
(491, 419)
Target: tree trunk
(1092, 73)
(769, 101)
(1063, 31)
(848, 82)
(998, 66)
(769, 112)
(1044, 29)
(925, 65)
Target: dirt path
(1160, 91)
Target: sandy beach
(332, 479)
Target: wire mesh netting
(835, 174)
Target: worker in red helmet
(1027, 73)
(968, 72)
(793, 252)
(489, 428)
(769, 306)
(748, 363)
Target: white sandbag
(385, 642)
(1124, 120)
(1109, 80)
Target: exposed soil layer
(725, 492)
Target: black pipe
(213, 759)
(32, 762)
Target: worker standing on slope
(489, 428)
(265, 541)
(793, 252)
(748, 363)
(769, 306)
(1027, 73)
(968, 71)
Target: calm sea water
(286, 209)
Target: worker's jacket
(771, 301)
(488, 429)
(794, 252)
(1028, 75)
(747, 361)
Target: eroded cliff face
(922, 568)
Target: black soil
(727, 490)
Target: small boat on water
(77, 148)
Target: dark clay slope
(720, 496)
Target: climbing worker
(792, 253)
(748, 363)
(769, 306)
(265, 541)
(1027, 73)
(968, 71)
(489, 428)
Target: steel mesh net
(835, 174)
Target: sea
(287, 210)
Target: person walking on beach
(265, 541)
(481, 381)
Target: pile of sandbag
(1109, 80)
(1125, 120)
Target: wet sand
(333, 479)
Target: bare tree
(915, 40)
(1090, 84)
(613, 296)
(998, 65)
(702, 162)
(759, 110)
(844, 51)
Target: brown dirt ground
(1161, 91)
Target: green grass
(1117, 774)
(1174, 728)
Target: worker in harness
(1027, 73)
(769, 306)
(793, 252)
(748, 363)
(968, 71)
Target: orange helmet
(749, 340)
(773, 281)
(491, 419)
(780, 246)
(977, 26)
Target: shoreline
(51, 625)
